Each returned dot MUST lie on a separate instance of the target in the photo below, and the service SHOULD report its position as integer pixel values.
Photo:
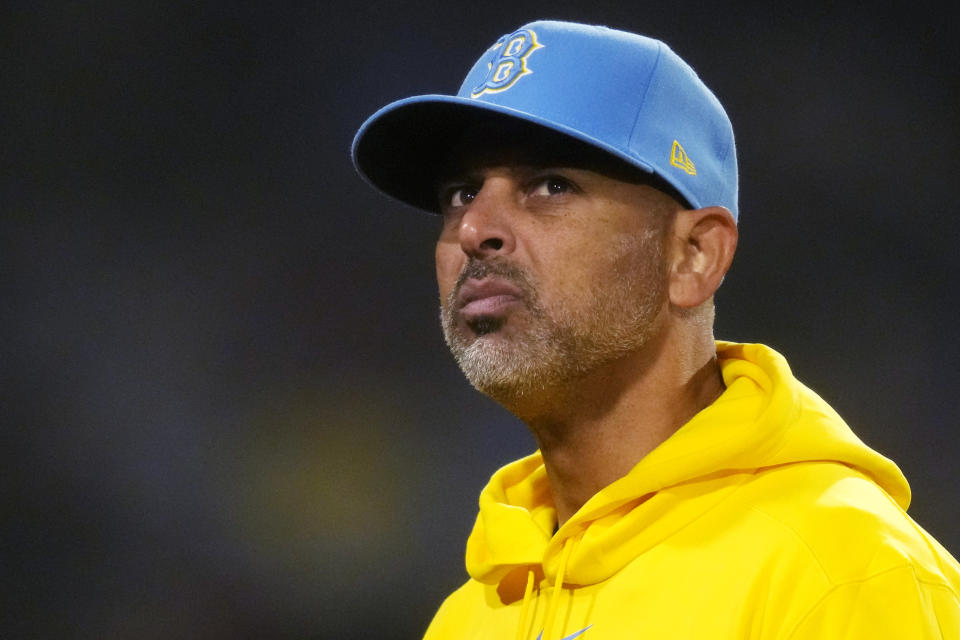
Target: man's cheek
(447, 273)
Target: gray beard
(558, 346)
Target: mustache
(478, 270)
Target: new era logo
(679, 158)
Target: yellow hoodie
(762, 517)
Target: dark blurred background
(227, 408)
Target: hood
(765, 418)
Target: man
(683, 488)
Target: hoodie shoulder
(457, 612)
(851, 527)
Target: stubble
(555, 346)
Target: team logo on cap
(509, 63)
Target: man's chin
(498, 366)
(470, 345)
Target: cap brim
(402, 148)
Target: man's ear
(702, 247)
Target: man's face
(547, 272)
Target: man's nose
(486, 229)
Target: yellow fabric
(525, 608)
(763, 517)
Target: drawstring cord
(557, 588)
(551, 614)
(525, 609)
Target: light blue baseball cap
(620, 92)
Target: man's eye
(552, 186)
(461, 196)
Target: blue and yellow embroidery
(509, 63)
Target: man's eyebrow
(452, 179)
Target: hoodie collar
(764, 418)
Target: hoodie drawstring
(557, 588)
(551, 614)
(525, 609)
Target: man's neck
(593, 431)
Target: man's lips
(486, 297)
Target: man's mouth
(491, 305)
(487, 299)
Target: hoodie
(763, 517)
